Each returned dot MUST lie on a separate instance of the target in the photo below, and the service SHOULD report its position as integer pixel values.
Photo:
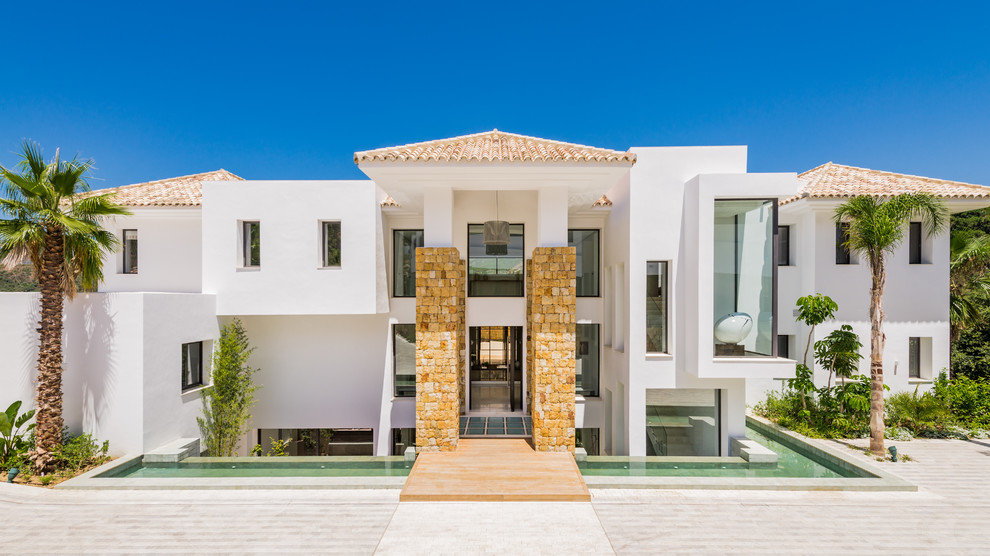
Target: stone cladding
(552, 316)
(439, 337)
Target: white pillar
(438, 217)
(552, 217)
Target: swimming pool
(265, 467)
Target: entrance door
(496, 368)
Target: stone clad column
(552, 323)
(439, 335)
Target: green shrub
(80, 452)
(13, 446)
(966, 398)
(917, 412)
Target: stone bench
(751, 451)
(174, 451)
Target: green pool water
(790, 463)
(267, 467)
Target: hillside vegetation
(17, 280)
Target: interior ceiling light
(496, 237)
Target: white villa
(630, 302)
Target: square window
(331, 244)
(495, 275)
(192, 365)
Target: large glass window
(587, 363)
(656, 307)
(402, 439)
(192, 365)
(495, 275)
(404, 359)
(251, 238)
(316, 442)
(587, 244)
(745, 276)
(682, 422)
(404, 244)
(331, 244)
(130, 252)
(587, 438)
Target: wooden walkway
(495, 470)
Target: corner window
(587, 355)
(404, 360)
(192, 365)
(842, 253)
(914, 243)
(331, 244)
(251, 243)
(783, 246)
(492, 275)
(745, 277)
(586, 242)
(130, 252)
(656, 307)
(404, 244)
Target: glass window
(318, 442)
(783, 245)
(914, 357)
(495, 275)
(842, 254)
(192, 365)
(587, 360)
(914, 242)
(130, 252)
(404, 359)
(656, 307)
(783, 346)
(404, 244)
(251, 236)
(587, 438)
(682, 422)
(745, 276)
(587, 244)
(331, 244)
(402, 439)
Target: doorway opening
(496, 368)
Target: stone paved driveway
(950, 514)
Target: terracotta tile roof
(602, 202)
(830, 181)
(389, 202)
(494, 146)
(183, 191)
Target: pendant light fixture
(496, 237)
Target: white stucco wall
(170, 251)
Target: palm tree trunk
(876, 354)
(48, 400)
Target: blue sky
(291, 90)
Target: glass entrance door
(496, 368)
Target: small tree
(227, 402)
(812, 311)
(839, 353)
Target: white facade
(323, 334)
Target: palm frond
(97, 207)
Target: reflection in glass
(495, 275)
(318, 442)
(656, 307)
(586, 244)
(404, 244)
(130, 251)
(682, 422)
(404, 359)
(744, 277)
(586, 363)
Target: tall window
(251, 237)
(783, 246)
(745, 277)
(192, 365)
(914, 242)
(404, 360)
(914, 357)
(842, 254)
(784, 346)
(404, 244)
(656, 307)
(588, 357)
(130, 252)
(331, 244)
(495, 275)
(587, 244)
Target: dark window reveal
(130, 252)
(914, 242)
(842, 255)
(192, 365)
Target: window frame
(395, 261)
(395, 383)
(598, 248)
(522, 281)
(324, 255)
(124, 251)
(246, 243)
(664, 273)
(187, 386)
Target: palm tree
(969, 280)
(58, 230)
(876, 228)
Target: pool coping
(881, 480)
(91, 481)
